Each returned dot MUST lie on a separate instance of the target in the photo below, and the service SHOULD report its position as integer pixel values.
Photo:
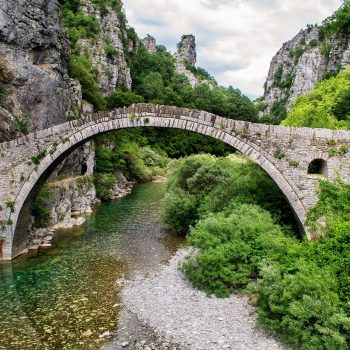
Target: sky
(236, 39)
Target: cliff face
(35, 87)
(107, 53)
(300, 64)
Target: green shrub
(279, 154)
(123, 98)
(41, 210)
(212, 184)
(313, 43)
(20, 125)
(302, 307)
(38, 158)
(231, 248)
(332, 151)
(79, 25)
(111, 51)
(80, 68)
(181, 210)
(339, 22)
(104, 184)
(294, 163)
(344, 149)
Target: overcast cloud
(236, 39)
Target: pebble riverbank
(180, 314)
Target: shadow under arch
(87, 131)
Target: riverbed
(69, 296)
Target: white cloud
(236, 39)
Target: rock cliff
(187, 55)
(34, 84)
(297, 67)
(150, 43)
(107, 52)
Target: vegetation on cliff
(326, 106)
(339, 22)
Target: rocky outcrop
(300, 64)
(35, 87)
(181, 69)
(71, 198)
(150, 43)
(187, 55)
(187, 49)
(107, 52)
(122, 187)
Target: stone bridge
(293, 157)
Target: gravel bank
(168, 303)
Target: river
(66, 297)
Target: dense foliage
(339, 22)
(326, 106)
(203, 184)
(155, 78)
(301, 288)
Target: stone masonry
(283, 152)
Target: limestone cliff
(34, 84)
(187, 55)
(150, 43)
(107, 52)
(302, 62)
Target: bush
(313, 43)
(181, 212)
(79, 25)
(231, 248)
(80, 68)
(303, 307)
(111, 51)
(339, 22)
(40, 209)
(214, 184)
(123, 98)
(104, 184)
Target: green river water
(66, 296)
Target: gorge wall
(299, 65)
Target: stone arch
(84, 132)
(318, 166)
(84, 169)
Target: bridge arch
(283, 152)
(231, 132)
